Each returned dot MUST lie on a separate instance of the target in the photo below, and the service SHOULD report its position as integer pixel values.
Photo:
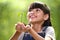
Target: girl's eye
(37, 10)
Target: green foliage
(13, 11)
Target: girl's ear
(46, 16)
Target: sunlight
(19, 4)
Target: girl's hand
(20, 27)
(28, 28)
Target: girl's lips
(32, 16)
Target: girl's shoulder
(50, 32)
(49, 28)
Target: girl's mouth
(32, 16)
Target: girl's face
(35, 15)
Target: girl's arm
(36, 36)
(18, 31)
(15, 36)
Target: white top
(49, 32)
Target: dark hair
(45, 9)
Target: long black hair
(44, 8)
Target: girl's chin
(33, 21)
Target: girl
(39, 27)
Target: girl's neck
(37, 27)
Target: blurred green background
(13, 11)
